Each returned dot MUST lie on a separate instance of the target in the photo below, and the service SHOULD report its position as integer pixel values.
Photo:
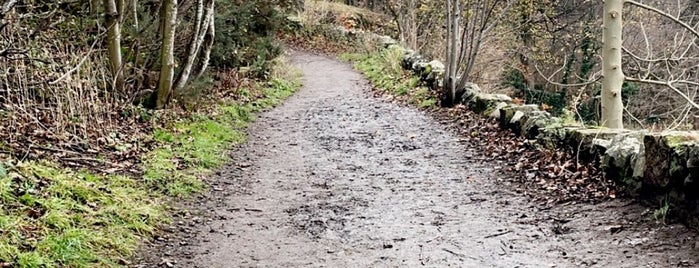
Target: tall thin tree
(112, 17)
(613, 76)
(168, 19)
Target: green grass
(384, 71)
(660, 214)
(196, 145)
(56, 217)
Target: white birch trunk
(208, 43)
(196, 42)
(612, 106)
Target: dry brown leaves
(547, 176)
(113, 147)
(109, 148)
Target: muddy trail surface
(337, 178)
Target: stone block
(670, 159)
(485, 103)
(623, 159)
(469, 91)
(511, 116)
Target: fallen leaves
(550, 176)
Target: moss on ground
(383, 69)
(57, 217)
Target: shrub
(245, 34)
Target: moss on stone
(673, 141)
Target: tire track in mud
(337, 178)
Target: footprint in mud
(317, 219)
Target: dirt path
(337, 178)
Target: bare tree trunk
(412, 22)
(395, 13)
(612, 106)
(200, 30)
(448, 57)
(208, 44)
(406, 18)
(168, 18)
(111, 16)
(134, 10)
(453, 27)
(526, 36)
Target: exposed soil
(338, 178)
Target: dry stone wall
(662, 165)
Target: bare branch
(673, 59)
(548, 79)
(634, 118)
(664, 14)
(668, 84)
(87, 55)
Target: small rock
(615, 228)
(244, 165)
(167, 263)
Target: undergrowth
(57, 217)
(383, 69)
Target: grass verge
(57, 217)
(384, 71)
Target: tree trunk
(111, 17)
(200, 30)
(526, 36)
(612, 107)
(396, 12)
(412, 22)
(208, 44)
(452, 53)
(168, 18)
(134, 10)
(448, 55)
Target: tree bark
(412, 24)
(200, 30)
(453, 40)
(612, 106)
(208, 44)
(134, 10)
(168, 17)
(111, 17)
